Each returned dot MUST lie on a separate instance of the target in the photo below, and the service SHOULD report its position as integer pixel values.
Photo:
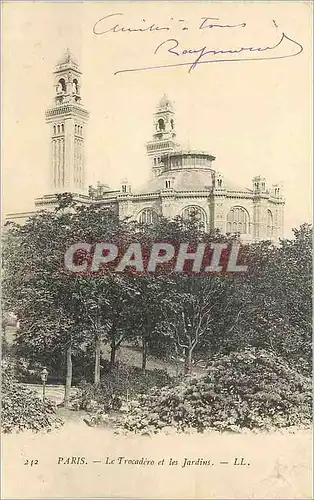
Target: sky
(253, 116)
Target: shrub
(116, 384)
(122, 379)
(248, 389)
(21, 407)
(27, 370)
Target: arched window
(75, 86)
(62, 127)
(62, 85)
(147, 216)
(238, 221)
(161, 124)
(270, 224)
(58, 129)
(54, 130)
(195, 213)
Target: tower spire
(67, 120)
(164, 135)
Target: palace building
(183, 181)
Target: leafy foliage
(66, 318)
(248, 389)
(119, 382)
(22, 409)
(278, 299)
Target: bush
(21, 407)
(94, 398)
(122, 379)
(116, 384)
(248, 389)
(27, 369)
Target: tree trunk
(4, 341)
(144, 352)
(97, 361)
(68, 379)
(188, 361)
(113, 354)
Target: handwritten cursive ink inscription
(193, 57)
(209, 25)
(99, 27)
(104, 25)
(172, 46)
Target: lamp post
(44, 376)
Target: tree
(36, 288)
(186, 306)
(58, 309)
(101, 297)
(146, 312)
(192, 306)
(278, 295)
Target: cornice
(67, 110)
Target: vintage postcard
(156, 250)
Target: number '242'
(31, 462)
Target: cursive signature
(172, 46)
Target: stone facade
(183, 181)
(67, 120)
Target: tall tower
(67, 120)
(164, 136)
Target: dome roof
(68, 58)
(183, 180)
(194, 179)
(165, 102)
